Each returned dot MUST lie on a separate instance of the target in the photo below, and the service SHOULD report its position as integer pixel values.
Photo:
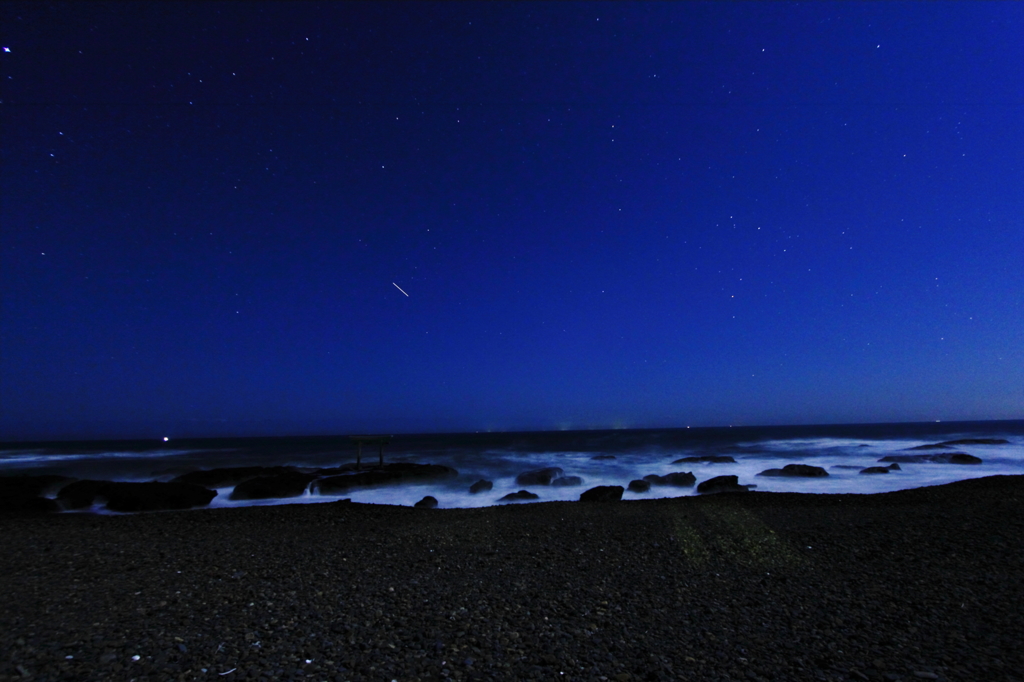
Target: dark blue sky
(603, 215)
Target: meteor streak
(400, 289)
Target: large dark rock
(80, 494)
(428, 502)
(134, 497)
(30, 505)
(638, 486)
(962, 441)
(155, 496)
(603, 493)
(723, 484)
(481, 486)
(681, 479)
(567, 480)
(706, 459)
(796, 470)
(231, 476)
(24, 494)
(940, 458)
(539, 476)
(290, 484)
(521, 495)
(398, 472)
(31, 486)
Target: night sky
(601, 215)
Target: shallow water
(500, 457)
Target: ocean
(499, 457)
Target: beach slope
(917, 584)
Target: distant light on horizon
(165, 439)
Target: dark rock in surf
(796, 470)
(977, 441)
(518, 496)
(939, 458)
(723, 484)
(846, 466)
(681, 479)
(881, 470)
(567, 481)
(603, 457)
(603, 493)
(428, 502)
(389, 473)
(706, 459)
(230, 476)
(155, 496)
(963, 458)
(962, 441)
(481, 486)
(906, 459)
(290, 484)
(639, 486)
(539, 476)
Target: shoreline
(926, 582)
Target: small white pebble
(69, 657)
(136, 657)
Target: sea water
(500, 457)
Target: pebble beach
(917, 584)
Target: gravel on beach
(918, 584)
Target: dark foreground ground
(923, 584)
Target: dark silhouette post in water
(379, 440)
